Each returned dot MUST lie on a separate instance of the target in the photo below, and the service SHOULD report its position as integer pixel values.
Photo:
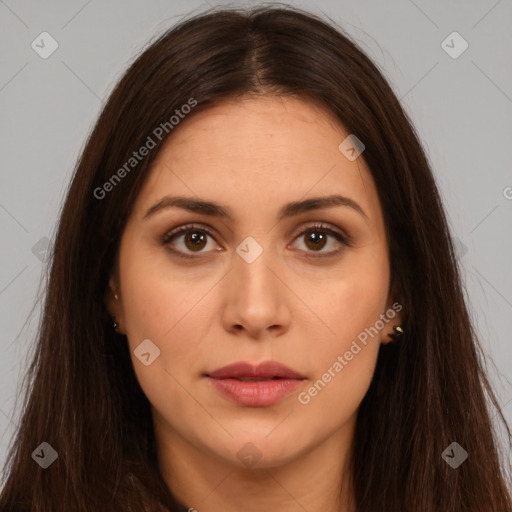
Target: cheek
(174, 313)
(156, 301)
(353, 299)
(169, 312)
(344, 361)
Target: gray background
(461, 108)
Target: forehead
(258, 151)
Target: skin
(255, 155)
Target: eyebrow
(292, 209)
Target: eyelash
(345, 240)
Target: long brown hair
(428, 390)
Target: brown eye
(195, 240)
(316, 240)
(186, 240)
(191, 241)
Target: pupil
(314, 238)
(196, 239)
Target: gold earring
(115, 325)
(395, 336)
(115, 296)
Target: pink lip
(278, 382)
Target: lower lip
(255, 393)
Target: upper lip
(266, 369)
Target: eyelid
(342, 237)
(187, 227)
(169, 235)
(324, 226)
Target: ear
(395, 317)
(113, 303)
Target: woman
(254, 302)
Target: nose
(256, 300)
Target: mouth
(255, 385)
(256, 379)
(264, 371)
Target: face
(265, 274)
